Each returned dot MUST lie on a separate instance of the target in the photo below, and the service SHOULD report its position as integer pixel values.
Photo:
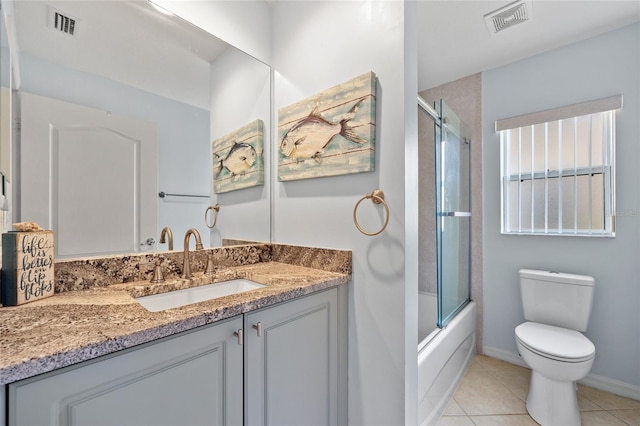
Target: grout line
(621, 409)
(593, 402)
(507, 387)
(490, 371)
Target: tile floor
(494, 392)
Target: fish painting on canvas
(240, 158)
(331, 133)
(237, 158)
(310, 136)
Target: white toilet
(557, 308)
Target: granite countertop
(79, 325)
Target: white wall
(244, 214)
(241, 93)
(316, 45)
(312, 46)
(183, 135)
(243, 24)
(602, 66)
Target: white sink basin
(177, 298)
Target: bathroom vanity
(273, 355)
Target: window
(558, 170)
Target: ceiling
(131, 42)
(454, 41)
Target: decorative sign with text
(27, 267)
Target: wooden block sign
(27, 267)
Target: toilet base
(552, 403)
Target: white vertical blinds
(557, 174)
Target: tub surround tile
(95, 312)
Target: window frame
(606, 167)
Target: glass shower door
(453, 213)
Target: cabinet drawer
(189, 379)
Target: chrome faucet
(186, 265)
(166, 232)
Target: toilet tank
(559, 299)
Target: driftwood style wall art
(238, 160)
(331, 133)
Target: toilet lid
(555, 342)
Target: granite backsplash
(86, 273)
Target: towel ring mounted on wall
(377, 197)
(215, 209)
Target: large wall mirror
(120, 101)
(5, 115)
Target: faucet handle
(210, 270)
(158, 276)
(149, 242)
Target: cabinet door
(194, 378)
(292, 368)
(3, 414)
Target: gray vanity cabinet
(294, 356)
(289, 370)
(194, 378)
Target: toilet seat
(556, 343)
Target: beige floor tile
(504, 420)
(631, 417)
(481, 393)
(586, 405)
(516, 380)
(606, 400)
(493, 392)
(453, 409)
(475, 364)
(600, 418)
(454, 421)
(488, 363)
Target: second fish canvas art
(329, 134)
(238, 160)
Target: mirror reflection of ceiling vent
(508, 16)
(62, 22)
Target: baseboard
(503, 355)
(613, 386)
(599, 382)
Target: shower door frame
(444, 123)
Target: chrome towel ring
(377, 197)
(215, 209)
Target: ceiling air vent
(508, 16)
(62, 22)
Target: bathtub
(443, 357)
